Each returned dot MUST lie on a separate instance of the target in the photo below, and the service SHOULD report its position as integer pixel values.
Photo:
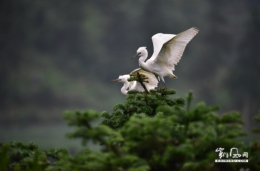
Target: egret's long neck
(124, 88)
(143, 58)
(142, 63)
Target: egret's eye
(139, 53)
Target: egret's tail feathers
(172, 76)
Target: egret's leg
(159, 84)
(165, 85)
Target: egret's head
(141, 51)
(122, 78)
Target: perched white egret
(150, 83)
(168, 50)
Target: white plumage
(150, 83)
(168, 50)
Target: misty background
(61, 55)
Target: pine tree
(158, 132)
(149, 132)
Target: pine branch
(139, 79)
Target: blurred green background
(58, 55)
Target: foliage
(148, 132)
(19, 157)
(140, 103)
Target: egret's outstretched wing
(171, 52)
(159, 40)
(152, 80)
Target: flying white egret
(150, 83)
(168, 50)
